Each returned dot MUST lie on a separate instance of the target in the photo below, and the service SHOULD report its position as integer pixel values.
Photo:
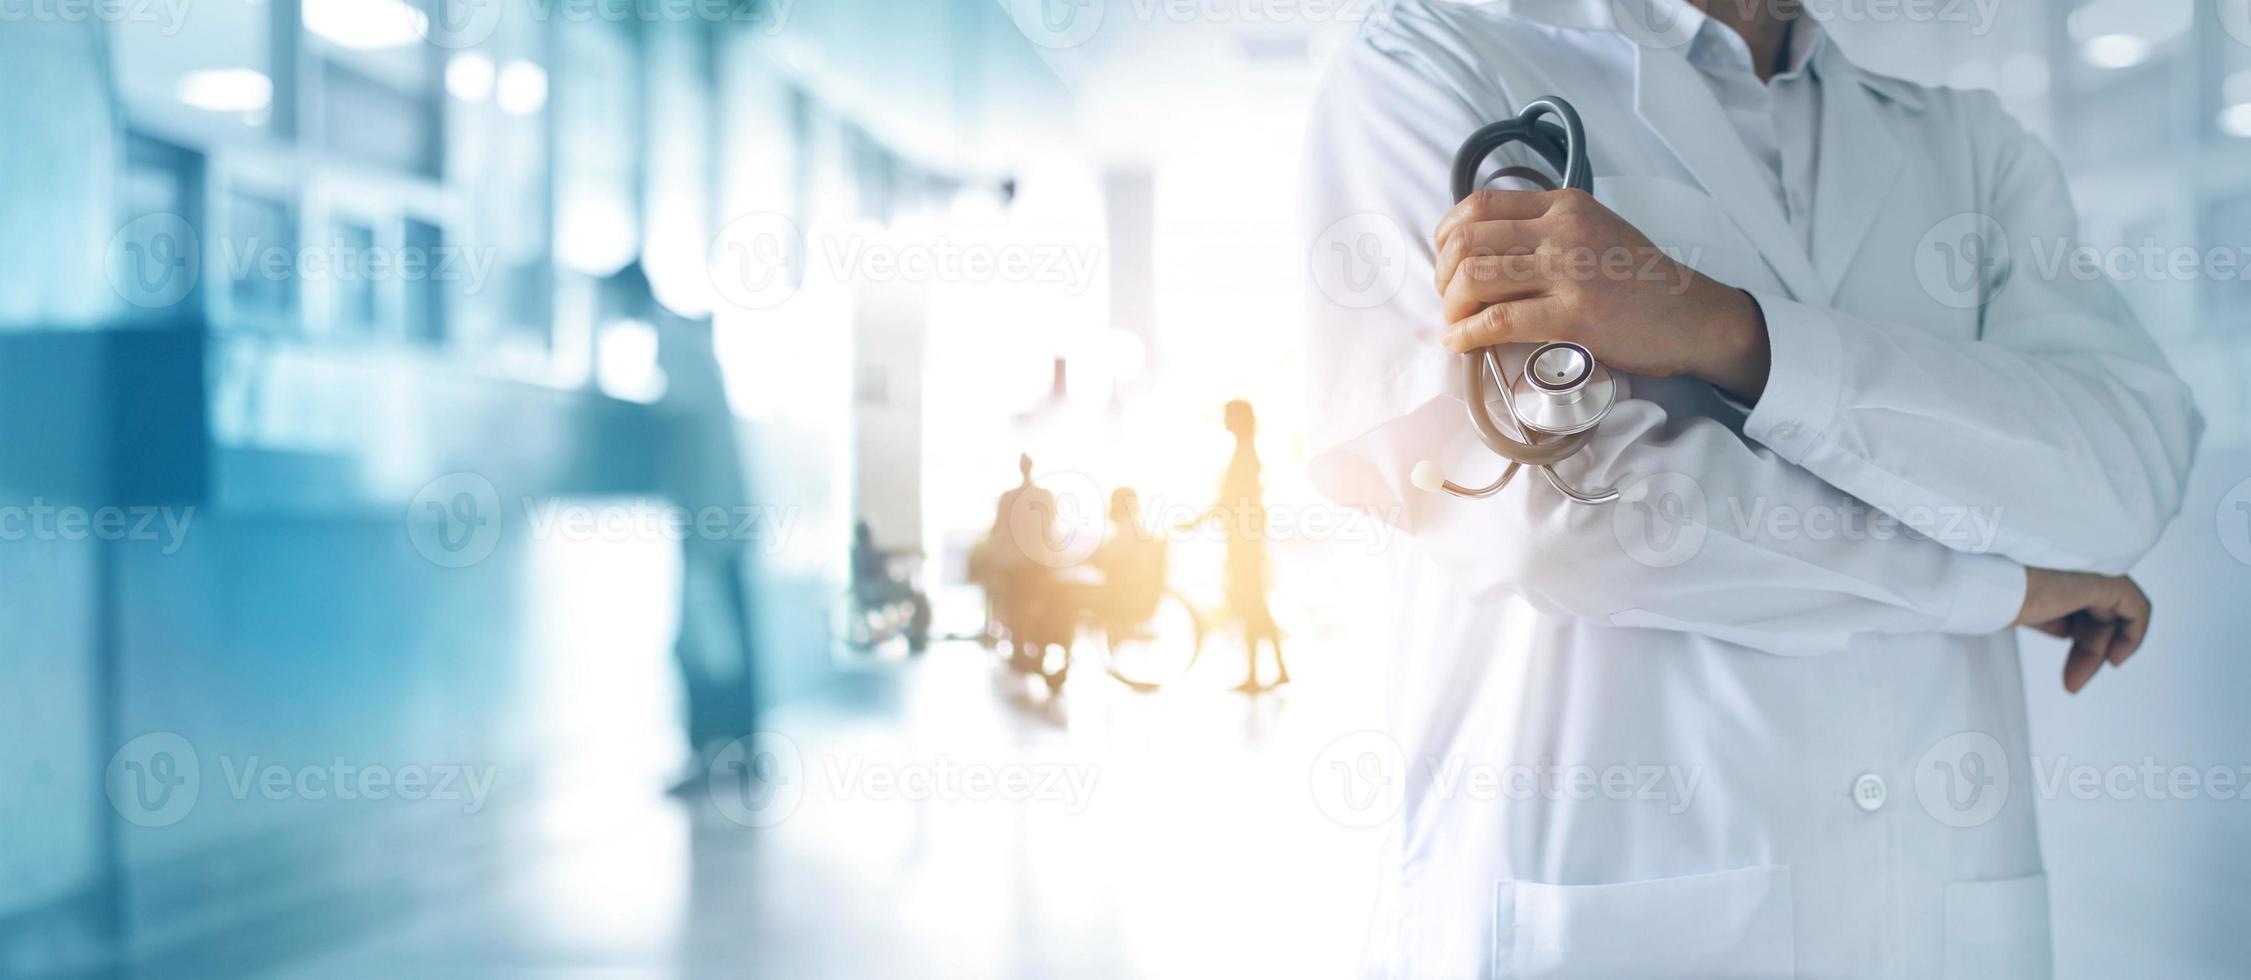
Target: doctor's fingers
(2090, 637)
(2132, 613)
(1493, 204)
(1483, 239)
(1539, 318)
(1485, 279)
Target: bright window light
(469, 77)
(625, 362)
(2115, 51)
(2236, 87)
(523, 88)
(2235, 120)
(366, 25)
(227, 90)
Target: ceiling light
(469, 77)
(523, 88)
(2115, 51)
(366, 25)
(226, 90)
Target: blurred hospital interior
(509, 487)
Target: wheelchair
(1039, 616)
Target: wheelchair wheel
(1147, 656)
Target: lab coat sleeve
(1715, 537)
(2061, 426)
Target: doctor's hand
(1539, 266)
(2104, 617)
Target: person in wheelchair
(875, 587)
(1131, 563)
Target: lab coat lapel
(1675, 103)
(1858, 165)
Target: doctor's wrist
(1736, 356)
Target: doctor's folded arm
(1847, 472)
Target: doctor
(1866, 438)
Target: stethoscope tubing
(1564, 149)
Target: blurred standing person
(702, 471)
(1241, 513)
(1013, 567)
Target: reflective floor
(940, 818)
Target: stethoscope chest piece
(1562, 390)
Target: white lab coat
(1832, 705)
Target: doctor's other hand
(2104, 617)
(1539, 266)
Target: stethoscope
(1560, 394)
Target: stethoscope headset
(1560, 394)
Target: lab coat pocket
(1997, 929)
(1725, 924)
(1688, 226)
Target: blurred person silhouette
(874, 586)
(1242, 517)
(1016, 568)
(1131, 562)
(701, 470)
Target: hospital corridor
(812, 489)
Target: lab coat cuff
(1988, 597)
(1805, 382)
